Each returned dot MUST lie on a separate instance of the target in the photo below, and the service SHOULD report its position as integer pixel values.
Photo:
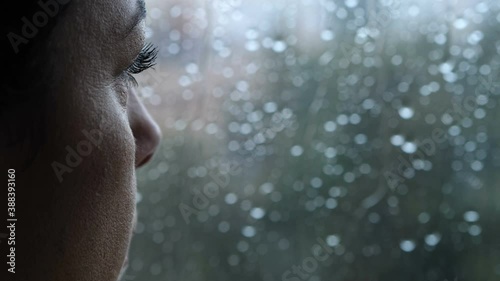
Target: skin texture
(79, 229)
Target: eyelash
(144, 60)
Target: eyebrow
(138, 17)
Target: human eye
(144, 60)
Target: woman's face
(98, 133)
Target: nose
(146, 132)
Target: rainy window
(322, 140)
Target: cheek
(107, 173)
(121, 90)
(96, 197)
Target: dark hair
(25, 81)
(26, 26)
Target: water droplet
(397, 140)
(460, 23)
(248, 231)
(351, 3)
(327, 35)
(332, 240)
(433, 239)
(296, 150)
(409, 147)
(279, 46)
(406, 112)
(331, 203)
(266, 188)
(270, 107)
(224, 226)
(475, 230)
(471, 216)
(407, 245)
(231, 198)
(330, 126)
(257, 213)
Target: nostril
(147, 143)
(144, 154)
(145, 161)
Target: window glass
(322, 140)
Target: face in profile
(78, 138)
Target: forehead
(105, 19)
(95, 37)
